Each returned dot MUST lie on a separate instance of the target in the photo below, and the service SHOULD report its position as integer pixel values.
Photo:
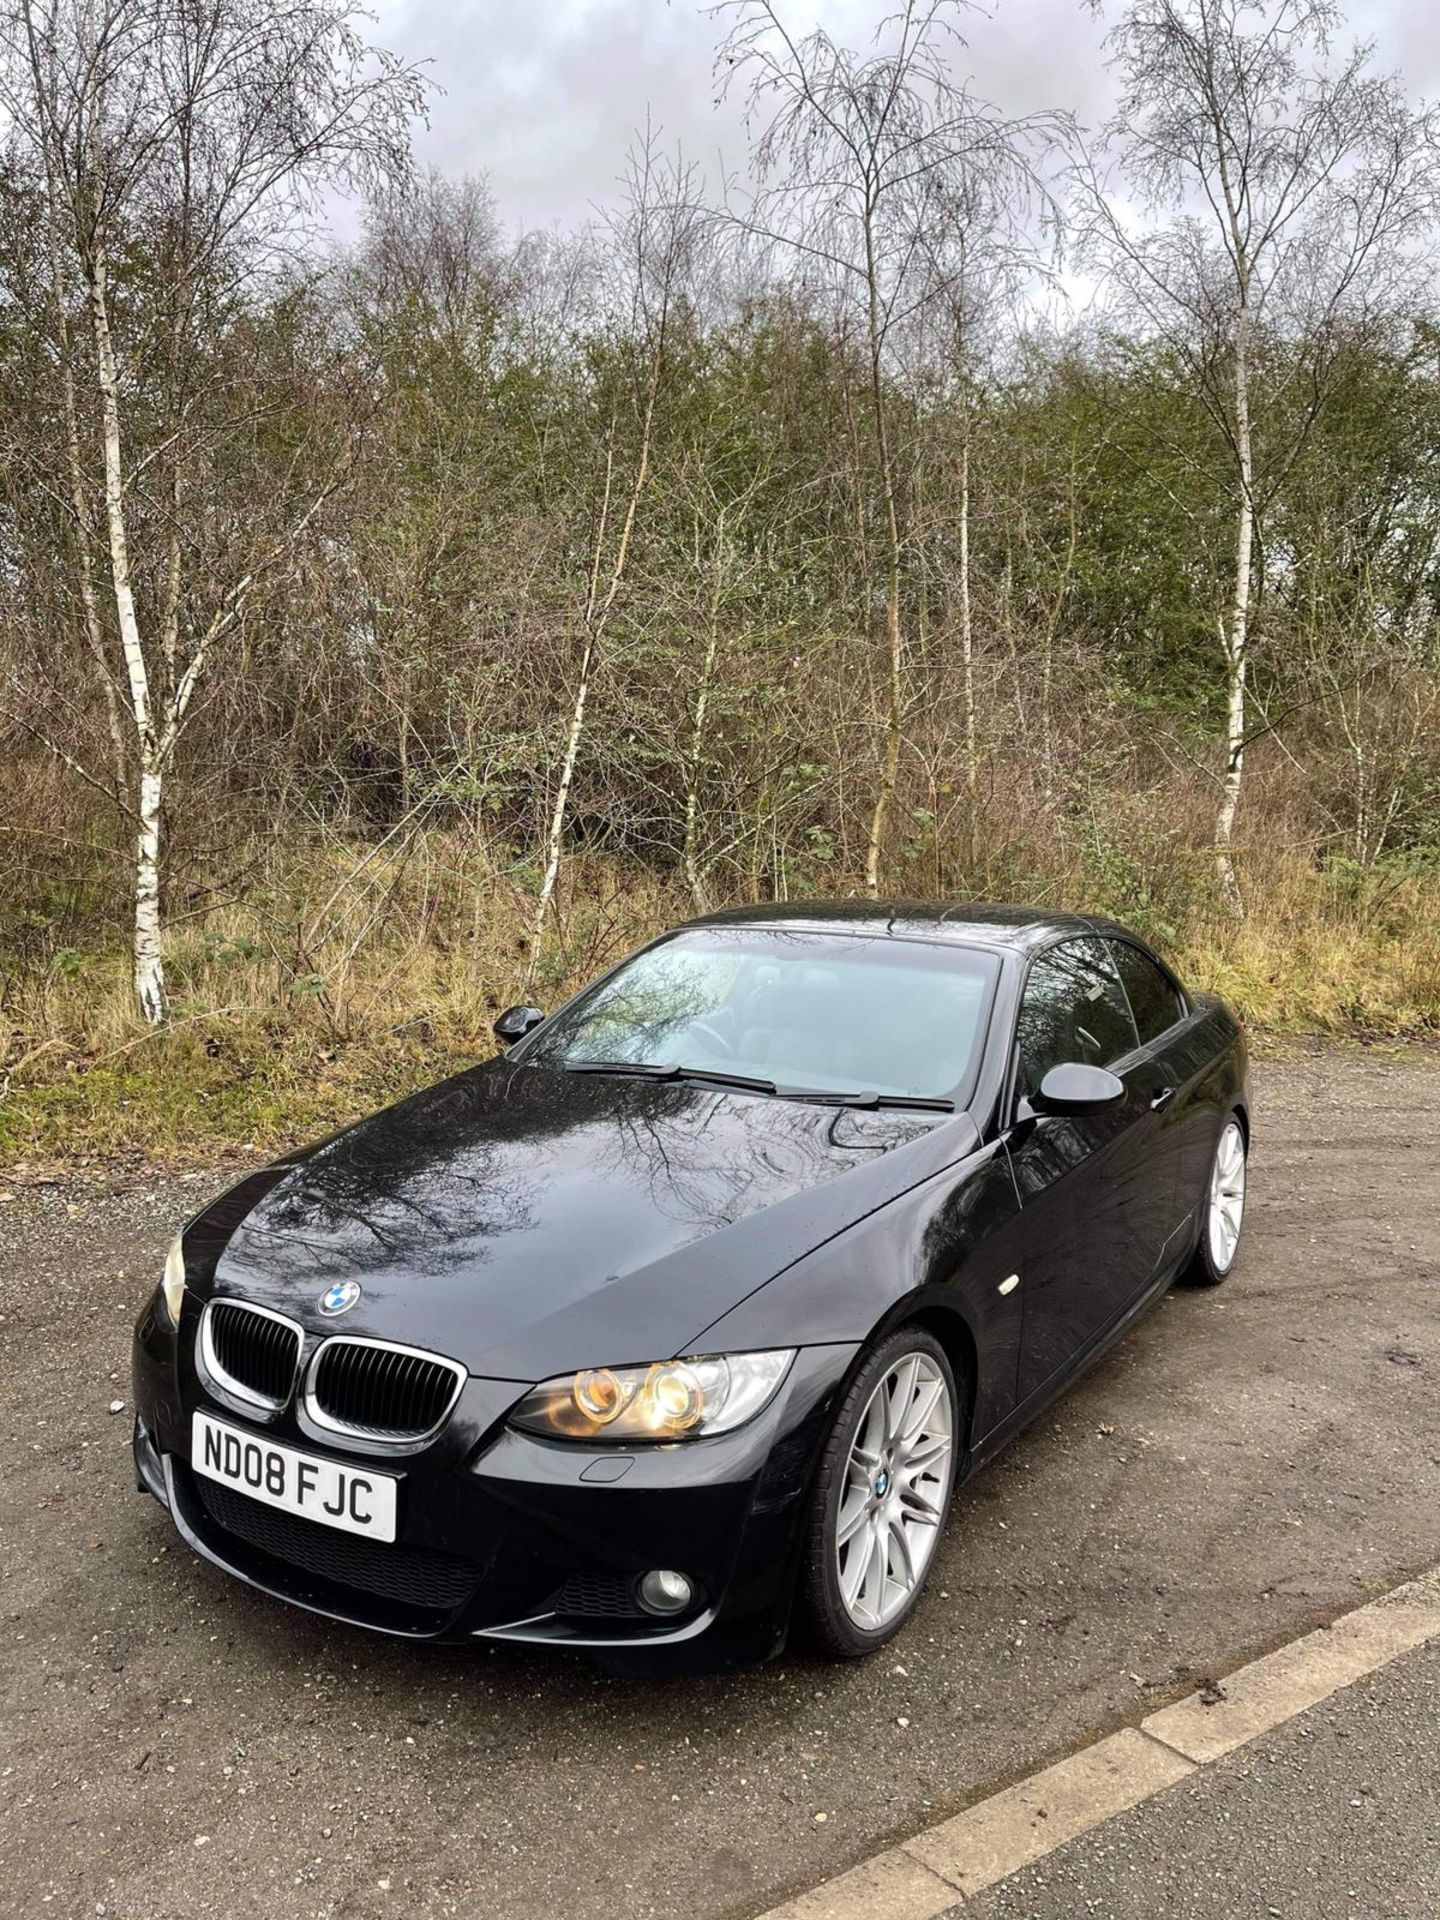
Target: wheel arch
(938, 1312)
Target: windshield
(831, 1012)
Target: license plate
(351, 1498)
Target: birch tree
(659, 237)
(723, 565)
(178, 146)
(1282, 189)
(983, 262)
(860, 160)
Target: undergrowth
(357, 982)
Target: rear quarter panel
(1211, 1062)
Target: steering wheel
(708, 1031)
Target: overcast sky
(542, 96)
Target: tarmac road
(1334, 1816)
(1245, 1464)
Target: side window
(1074, 1009)
(1153, 1000)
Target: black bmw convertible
(677, 1323)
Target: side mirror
(515, 1022)
(1075, 1088)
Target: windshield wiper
(648, 1070)
(750, 1083)
(642, 1069)
(717, 1077)
(868, 1101)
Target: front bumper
(503, 1536)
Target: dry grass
(368, 973)
(363, 979)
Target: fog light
(664, 1592)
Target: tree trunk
(85, 531)
(1237, 638)
(967, 642)
(597, 615)
(890, 765)
(1052, 635)
(894, 638)
(694, 879)
(149, 967)
(555, 838)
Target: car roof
(970, 923)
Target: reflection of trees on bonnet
(453, 1170)
(432, 1172)
(667, 1143)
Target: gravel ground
(1336, 1816)
(1243, 1465)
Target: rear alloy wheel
(882, 1494)
(1224, 1209)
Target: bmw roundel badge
(339, 1298)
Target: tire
(894, 1499)
(1222, 1209)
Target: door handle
(1161, 1099)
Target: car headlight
(666, 1400)
(172, 1283)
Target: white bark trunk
(597, 615)
(555, 838)
(149, 967)
(694, 879)
(80, 506)
(1234, 770)
(1237, 637)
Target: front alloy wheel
(883, 1491)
